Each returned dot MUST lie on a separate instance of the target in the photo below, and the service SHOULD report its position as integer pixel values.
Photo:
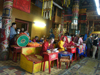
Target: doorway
(22, 24)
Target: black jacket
(95, 42)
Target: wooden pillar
(93, 27)
(80, 26)
(68, 26)
(62, 22)
(87, 27)
(5, 31)
(75, 11)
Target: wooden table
(16, 50)
(50, 57)
(63, 54)
(72, 50)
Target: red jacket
(34, 40)
(45, 46)
(65, 37)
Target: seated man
(47, 45)
(36, 39)
(61, 44)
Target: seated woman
(47, 45)
(61, 44)
(36, 39)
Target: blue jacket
(52, 36)
(12, 33)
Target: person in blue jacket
(12, 31)
(85, 37)
(51, 35)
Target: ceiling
(88, 4)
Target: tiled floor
(12, 68)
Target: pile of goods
(35, 44)
(64, 52)
(52, 50)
